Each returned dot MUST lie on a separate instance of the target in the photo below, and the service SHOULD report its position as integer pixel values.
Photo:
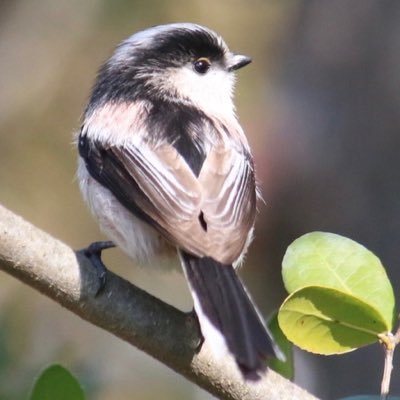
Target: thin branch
(387, 373)
(128, 312)
(389, 342)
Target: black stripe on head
(186, 45)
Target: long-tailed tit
(165, 164)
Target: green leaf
(330, 260)
(285, 368)
(56, 382)
(328, 321)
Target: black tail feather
(227, 306)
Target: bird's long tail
(227, 315)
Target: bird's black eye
(202, 65)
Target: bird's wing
(229, 200)
(209, 215)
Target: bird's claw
(93, 253)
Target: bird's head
(178, 63)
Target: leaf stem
(389, 342)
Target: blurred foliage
(56, 382)
(285, 365)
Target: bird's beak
(238, 61)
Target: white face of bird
(210, 92)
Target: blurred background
(321, 107)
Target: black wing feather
(111, 173)
(226, 304)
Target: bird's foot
(195, 320)
(93, 253)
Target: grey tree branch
(162, 331)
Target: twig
(389, 341)
(387, 372)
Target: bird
(164, 165)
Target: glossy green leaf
(328, 321)
(285, 368)
(56, 382)
(330, 260)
